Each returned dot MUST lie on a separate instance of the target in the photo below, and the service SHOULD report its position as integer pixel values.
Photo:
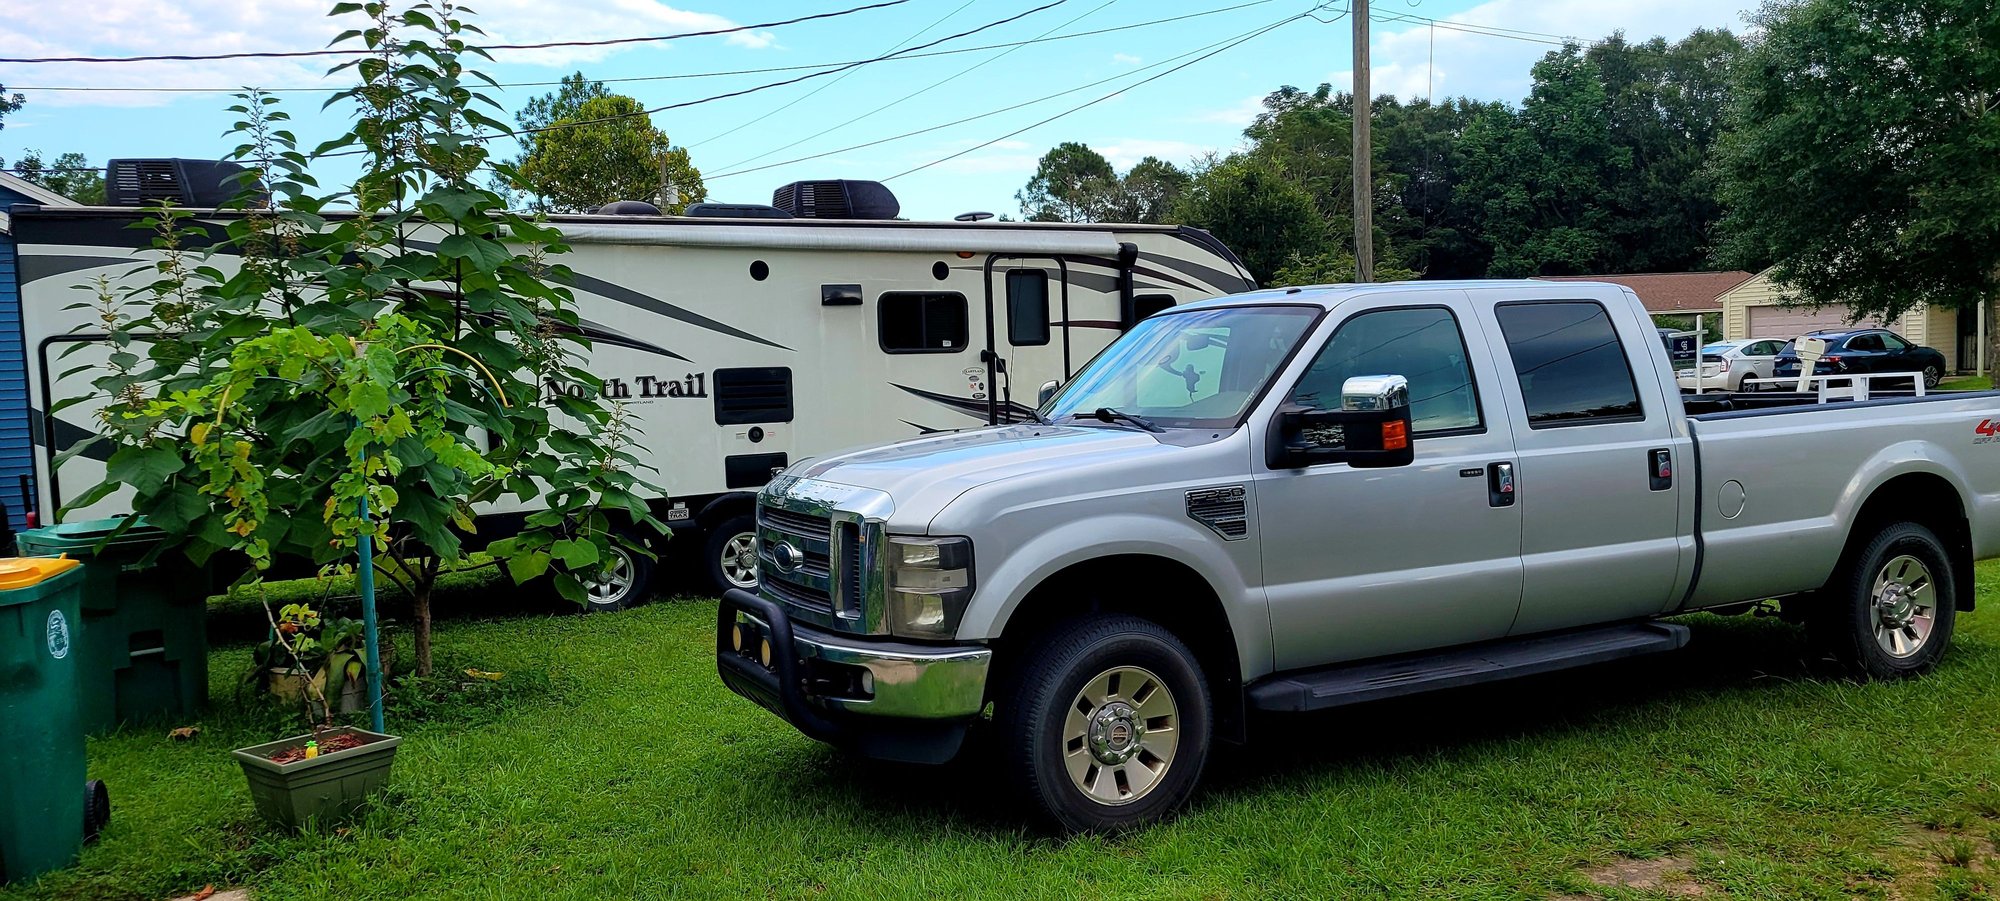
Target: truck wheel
(730, 553)
(624, 583)
(1889, 608)
(1106, 726)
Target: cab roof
(1330, 296)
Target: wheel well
(1159, 589)
(1930, 501)
(741, 503)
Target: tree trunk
(420, 608)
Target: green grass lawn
(611, 763)
(1966, 383)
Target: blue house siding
(16, 450)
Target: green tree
(1072, 183)
(9, 105)
(371, 376)
(1148, 191)
(1863, 156)
(1266, 218)
(70, 175)
(586, 147)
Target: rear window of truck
(1572, 368)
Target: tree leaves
(146, 469)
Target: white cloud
(1126, 59)
(207, 27)
(1410, 58)
(1238, 114)
(1124, 152)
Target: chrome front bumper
(834, 688)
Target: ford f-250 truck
(1295, 499)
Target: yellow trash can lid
(23, 572)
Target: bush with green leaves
(378, 362)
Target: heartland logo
(693, 384)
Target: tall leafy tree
(1148, 191)
(584, 147)
(1863, 157)
(1072, 183)
(1269, 220)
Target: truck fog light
(868, 682)
(764, 652)
(737, 642)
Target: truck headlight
(930, 580)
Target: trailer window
(1573, 370)
(1027, 307)
(922, 322)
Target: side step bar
(1355, 683)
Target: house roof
(33, 193)
(1672, 292)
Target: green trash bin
(42, 794)
(143, 638)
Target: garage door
(1790, 322)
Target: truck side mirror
(1370, 430)
(1049, 389)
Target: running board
(1354, 683)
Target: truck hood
(923, 475)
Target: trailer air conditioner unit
(837, 199)
(188, 183)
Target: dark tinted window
(1893, 343)
(1869, 341)
(920, 322)
(1572, 369)
(1027, 307)
(1146, 305)
(1421, 344)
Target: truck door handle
(1660, 468)
(1500, 484)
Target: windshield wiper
(1107, 414)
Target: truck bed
(1780, 477)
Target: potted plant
(326, 774)
(326, 658)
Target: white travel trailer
(744, 338)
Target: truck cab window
(1572, 368)
(1027, 307)
(922, 322)
(1422, 344)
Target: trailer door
(1028, 331)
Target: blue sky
(1195, 110)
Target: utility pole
(1364, 182)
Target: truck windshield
(1197, 369)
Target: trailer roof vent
(628, 208)
(735, 211)
(190, 183)
(837, 199)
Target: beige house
(1754, 309)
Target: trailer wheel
(1106, 725)
(730, 553)
(1889, 609)
(624, 583)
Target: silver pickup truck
(1296, 499)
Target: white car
(1725, 364)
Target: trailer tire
(1889, 609)
(729, 554)
(627, 582)
(1106, 768)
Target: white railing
(1857, 387)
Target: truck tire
(729, 555)
(1888, 611)
(627, 582)
(1106, 725)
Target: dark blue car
(1864, 350)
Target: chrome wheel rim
(739, 560)
(1905, 606)
(1120, 735)
(1932, 376)
(615, 581)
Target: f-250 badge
(1988, 431)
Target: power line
(925, 89)
(686, 75)
(808, 95)
(342, 51)
(1232, 45)
(973, 118)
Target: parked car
(1297, 499)
(1864, 350)
(1725, 364)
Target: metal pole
(1364, 186)
(368, 630)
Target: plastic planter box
(322, 790)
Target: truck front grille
(804, 581)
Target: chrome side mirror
(1375, 392)
(1049, 389)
